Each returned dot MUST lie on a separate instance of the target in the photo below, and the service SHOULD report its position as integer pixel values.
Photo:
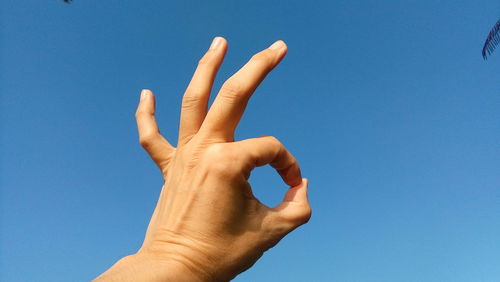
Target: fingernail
(144, 94)
(277, 45)
(215, 43)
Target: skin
(208, 225)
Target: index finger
(269, 150)
(230, 103)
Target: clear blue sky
(388, 106)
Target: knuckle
(214, 151)
(143, 114)
(274, 140)
(285, 222)
(301, 215)
(221, 160)
(306, 214)
(276, 144)
(147, 140)
(266, 57)
(208, 60)
(232, 90)
(203, 61)
(139, 114)
(192, 98)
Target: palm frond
(492, 40)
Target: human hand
(208, 225)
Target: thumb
(295, 209)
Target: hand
(208, 225)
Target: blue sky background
(388, 106)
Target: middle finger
(230, 103)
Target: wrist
(144, 267)
(191, 255)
